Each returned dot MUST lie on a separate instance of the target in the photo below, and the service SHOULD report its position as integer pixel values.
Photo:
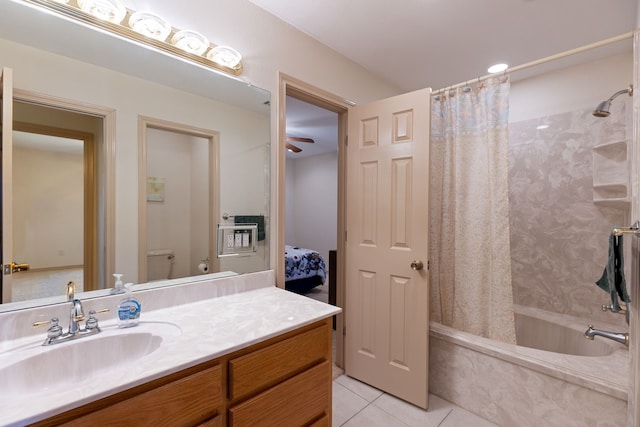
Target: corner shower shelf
(611, 174)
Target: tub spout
(622, 338)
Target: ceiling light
(497, 68)
(107, 10)
(225, 55)
(150, 25)
(540, 127)
(147, 29)
(190, 41)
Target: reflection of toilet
(159, 264)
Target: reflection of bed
(304, 269)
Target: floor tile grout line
(358, 394)
(387, 412)
(445, 417)
(351, 417)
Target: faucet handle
(92, 321)
(54, 331)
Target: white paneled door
(387, 303)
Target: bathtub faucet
(622, 338)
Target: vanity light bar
(71, 9)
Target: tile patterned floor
(356, 404)
(32, 284)
(359, 405)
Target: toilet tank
(159, 263)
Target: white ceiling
(436, 43)
(415, 44)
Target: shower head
(602, 110)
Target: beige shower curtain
(470, 276)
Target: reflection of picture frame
(155, 189)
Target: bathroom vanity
(257, 357)
(261, 385)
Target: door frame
(213, 139)
(291, 86)
(108, 116)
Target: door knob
(20, 267)
(417, 265)
(15, 268)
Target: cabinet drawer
(268, 366)
(322, 422)
(188, 401)
(299, 401)
(214, 422)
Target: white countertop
(209, 329)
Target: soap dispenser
(128, 309)
(117, 286)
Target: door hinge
(346, 140)
(345, 235)
(344, 331)
(428, 265)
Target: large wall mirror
(181, 148)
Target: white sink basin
(41, 368)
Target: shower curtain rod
(541, 61)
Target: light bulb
(497, 68)
(150, 25)
(225, 55)
(190, 41)
(107, 10)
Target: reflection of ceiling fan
(292, 147)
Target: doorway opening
(59, 175)
(54, 210)
(178, 200)
(312, 199)
(311, 99)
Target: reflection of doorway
(54, 210)
(81, 255)
(178, 198)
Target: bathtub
(553, 377)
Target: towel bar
(634, 229)
(226, 216)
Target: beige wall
(312, 203)
(47, 233)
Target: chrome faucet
(55, 334)
(76, 316)
(622, 338)
(77, 313)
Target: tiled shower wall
(559, 236)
